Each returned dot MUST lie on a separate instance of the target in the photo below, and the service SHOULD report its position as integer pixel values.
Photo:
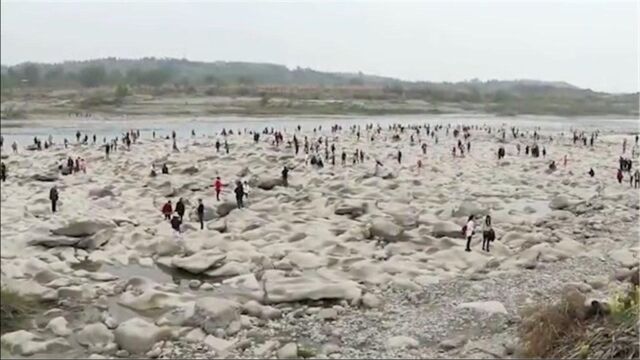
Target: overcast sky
(588, 43)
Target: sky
(589, 43)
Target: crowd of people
(321, 150)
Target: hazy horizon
(591, 44)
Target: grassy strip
(575, 329)
(15, 310)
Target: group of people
(312, 148)
(488, 234)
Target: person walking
(468, 232)
(53, 196)
(180, 209)
(200, 212)
(239, 190)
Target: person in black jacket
(285, 176)
(3, 172)
(180, 208)
(201, 214)
(175, 223)
(239, 190)
(53, 196)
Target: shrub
(573, 329)
(15, 310)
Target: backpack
(464, 230)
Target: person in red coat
(167, 210)
(218, 187)
(620, 176)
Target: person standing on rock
(285, 176)
(167, 210)
(636, 176)
(180, 208)
(620, 176)
(3, 172)
(246, 189)
(399, 157)
(488, 235)
(217, 185)
(239, 190)
(53, 196)
(200, 211)
(14, 147)
(217, 145)
(344, 158)
(468, 232)
(107, 148)
(226, 146)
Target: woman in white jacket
(469, 232)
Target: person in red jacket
(167, 210)
(620, 176)
(218, 187)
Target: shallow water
(23, 131)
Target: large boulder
(386, 229)
(137, 335)
(82, 228)
(96, 240)
(45, 177)
(96, 337)
(309, 286)
(559, 202)
(268, 183)
(225, 208)
(213, 313)
(199, 262)
(24, 343)
(190, 170)
(469, 208)
(54, 242)
(102, 192)
(353, 210)
(448, 229)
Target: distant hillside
(158, 72)
(177, 76)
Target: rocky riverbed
(346, 261)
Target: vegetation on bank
(170, 78)
(574, 328)
(16, 310)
